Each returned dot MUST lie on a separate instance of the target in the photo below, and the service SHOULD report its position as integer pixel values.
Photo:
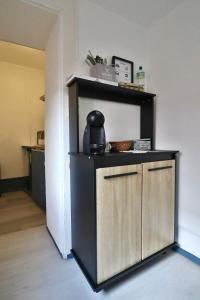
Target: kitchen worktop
(33, 148)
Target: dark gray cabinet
(38, 177)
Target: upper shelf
(97, 90)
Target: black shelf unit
(83, 172)
(83, 194)
(95, 90)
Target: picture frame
(124, 69)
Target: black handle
(120, 175)
(160, 168)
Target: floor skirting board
(189, 239)
(188, 255)
(61, 254)
(13, 184)
(70, 256)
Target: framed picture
(124, 69)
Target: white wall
(25, 24)
(107, 34)
(22, 115)
(53, 137)
(174, 64)
(119, 121)
(60, 63)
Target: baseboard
(13, 184)
(67, 256)
(70, 256)
(188, 255)
(189, 239)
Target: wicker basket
(121, 146)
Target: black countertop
(110, 159)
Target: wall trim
(63, 256)
(70, 256)
(13, 184)
(189, 239)
(188, 255)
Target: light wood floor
(32, 269)
(18, 212)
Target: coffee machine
(94, 139)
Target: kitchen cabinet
(122, 216)
(38, 177)
(118, 207)
(158, 205)
(122, 231)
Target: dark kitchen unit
(123, 205)
(36, 178)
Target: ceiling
(25, 24)
(21, 55)
(142, 12)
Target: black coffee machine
(94, 139)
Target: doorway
(44, 25)
(24, 26)
(22, 88)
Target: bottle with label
(140, 77)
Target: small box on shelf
(142, 144)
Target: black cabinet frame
(83, 172)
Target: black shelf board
(98, 90)
(112, 159)
(120, 154)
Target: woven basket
(121, 146)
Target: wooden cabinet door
(158, 206)
(118, 211)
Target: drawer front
(118, 219)
(158, 206)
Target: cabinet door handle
(160, 168)
(120, 175)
